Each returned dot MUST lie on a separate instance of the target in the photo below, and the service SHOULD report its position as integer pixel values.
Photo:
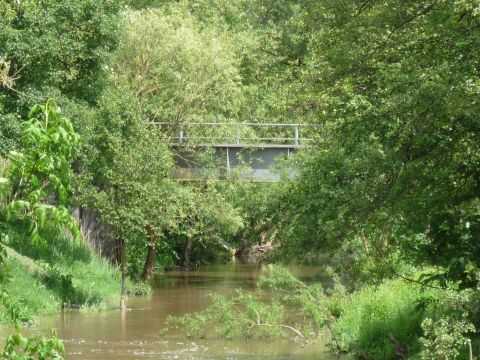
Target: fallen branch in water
(339, 348)
(280, 326)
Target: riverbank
(46, 277)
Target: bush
(383, 322)
(402, 319)
(445, 339)
(138, 288)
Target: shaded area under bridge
(244, 151)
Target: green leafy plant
(33, 347)
(39, 175)
(445, 338)
(38, 179)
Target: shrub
(138, 288)
(444, 339)
(382, 322)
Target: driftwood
(258, 251)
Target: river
(135, 334)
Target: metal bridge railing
(237, 139)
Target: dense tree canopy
(51, 49)
(395, 89)
(178, 71)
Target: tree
(394, 88)
(178, 71)
(51, 49)
(124, 168)
(210, 220)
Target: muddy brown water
(135, 334)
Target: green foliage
(399, 318)
(126, 166)
(396, 157)
(41, 173)
(242, 315)
(34, 347)
(444, 339)
(209, 218)
(271, 41)
(50, 46)
(10, 133)
(449, 332)
(375, 318)
(138, 288)
(203, 224)
(51, 49)
(178, 71)
(256, 204)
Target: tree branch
(409, 20)
(280, 326)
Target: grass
(58, 272)
(27, 289)
(377, 316)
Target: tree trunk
(188, 253)
(150, 260)
(147, 274)
(123, 259)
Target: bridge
(243, 151)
